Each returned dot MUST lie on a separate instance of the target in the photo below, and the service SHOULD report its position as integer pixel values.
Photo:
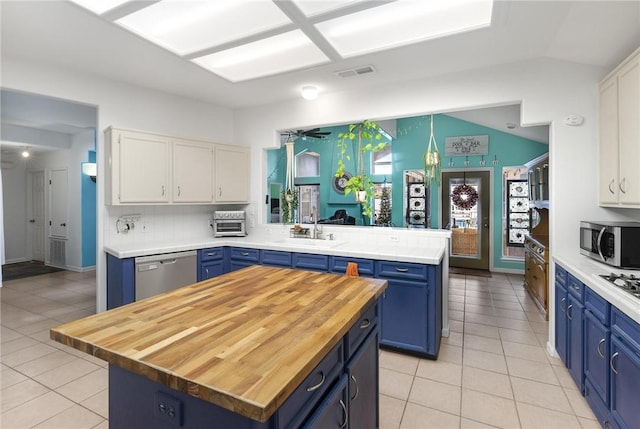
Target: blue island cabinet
(340, 392)
(411, 318)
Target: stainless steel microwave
(614, 243)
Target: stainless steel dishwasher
(161, 273)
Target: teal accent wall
(408, 149)
(88, 206)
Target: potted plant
(361, 139)
(289, 206)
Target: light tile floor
(493, 370)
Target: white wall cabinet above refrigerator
(145, 168)
(619, 137)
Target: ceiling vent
(355, 71)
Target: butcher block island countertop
(242, 341)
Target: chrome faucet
(316, 232)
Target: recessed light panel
(99, 6)
(186, 26)
(403, 22)
(316, 7)
(277, 54)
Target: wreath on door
(464, 196)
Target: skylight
(403, 22)
(247, 39)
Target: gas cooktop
(628, 282)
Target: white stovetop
(588, 272)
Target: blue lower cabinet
(338, 265)
(121, 279)
(561, 321)
(362, 370)
(275, 258)
(625, 370)
(411, 318)
(333, 412)
(575, 349)
(312, 262)
(596, 355)
(211, 263)
(240, 257)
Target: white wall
(124, 106)
(15, 210)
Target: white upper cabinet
(619, 137)
(139, 168)
(192, 172)
(146, 168)
(232, 174)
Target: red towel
(352, 269)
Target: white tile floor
(493, 371)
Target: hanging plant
(464, 196)
(359, 184)
(289, 205)
(432, 160)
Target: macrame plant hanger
(432, 160)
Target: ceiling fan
(313, 133)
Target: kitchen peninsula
(261, 347)
(414, 262)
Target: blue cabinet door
(561, 322)
(625, 379)
(596, 355)
(363, 385)
(121, 281)
(575, 356)
(210, 270)
(332, 413)
(404, 316)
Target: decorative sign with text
(466, 146)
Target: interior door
(36, 220)
(58, 203)
(469, 219)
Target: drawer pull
(402, 270)
(357, 388)
(317, 386)
(601, 342)
(346, 416)
(611, 364)
(365, 324)
(569, 311)
(245, 253)
(211, 254)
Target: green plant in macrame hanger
(432, 160)
(360, 184)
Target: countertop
(243, 341)
(588, 272)
(429, 252)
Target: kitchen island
(262, 347)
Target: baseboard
(15, 261)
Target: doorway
(466, 197)
(35, 230)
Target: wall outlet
(393, 238)
(168, 408)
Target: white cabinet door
(192, 172)
(232, 174)
(608, 141)
(143, 161)
(629, 132)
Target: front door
(465, 207)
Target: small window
(382, 161)
(308, 164)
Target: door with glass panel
(465, 208)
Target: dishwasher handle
(165, 258)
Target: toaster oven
(229, 223)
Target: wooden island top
(243, 341)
